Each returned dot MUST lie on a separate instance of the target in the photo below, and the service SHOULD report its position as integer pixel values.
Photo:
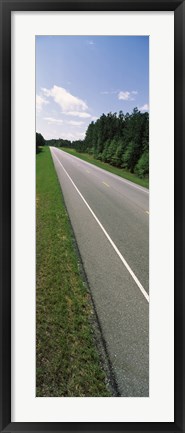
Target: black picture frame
(6, 7)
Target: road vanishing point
(110, 220)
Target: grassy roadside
(68, 363)
(115, 170)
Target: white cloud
(48, 135)
(145, 107)
(90, 42)
(40, 101)
(75, 136)
(82, 134)
(52, 120)
(81, 114)
(127, 96)
(65, 100)
(75, 123)
(124, 95)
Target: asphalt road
(110, 219)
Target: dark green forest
(121, 140)
(40, 141)
(60, 142)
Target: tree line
(40, 142)
(120, 139)
(59, 142)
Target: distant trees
(59, 142)
(39, 141)
(119, 139)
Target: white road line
(147, 212)
(143, 291)
(132, 184)
(106, 184)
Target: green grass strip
(115, 170)
(68, 363)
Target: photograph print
(92, 216)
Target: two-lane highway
(110, 219)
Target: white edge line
(132, 184)
(143, 291)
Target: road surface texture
(110, 219)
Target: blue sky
(80, 77)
